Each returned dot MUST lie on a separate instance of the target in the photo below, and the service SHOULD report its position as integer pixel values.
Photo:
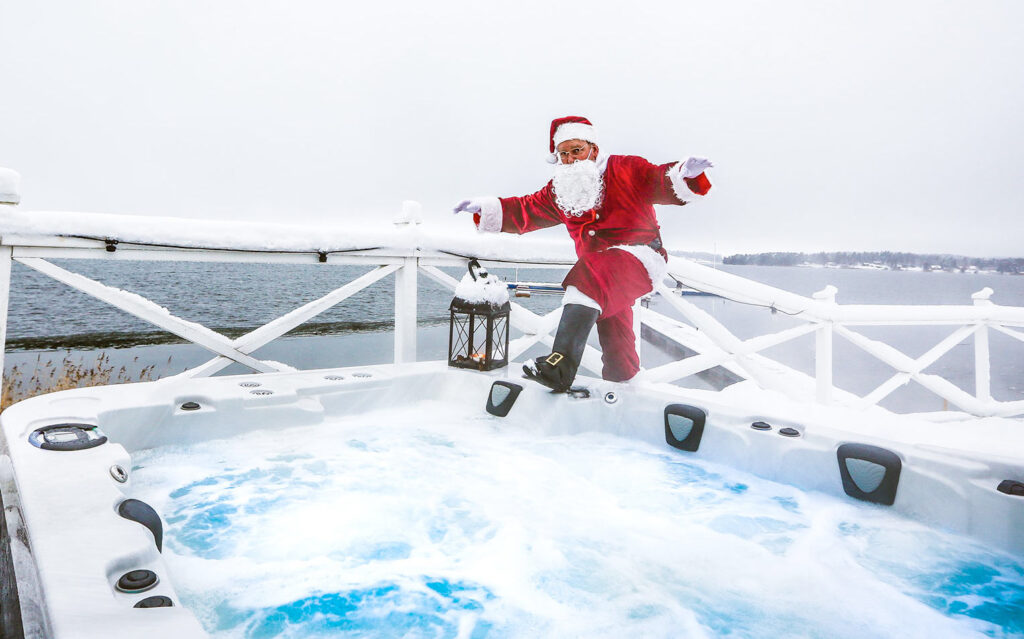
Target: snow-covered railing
(824, 317)
(405, 250)
(402, 249)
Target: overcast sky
(834, 125)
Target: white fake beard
(578, 187)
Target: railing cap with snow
(411, 213)
(10, 187)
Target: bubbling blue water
(437, 522)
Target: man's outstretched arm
(676, 182)
(513, 214)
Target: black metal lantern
(478, 328)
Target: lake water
(46, 317)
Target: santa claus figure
(606, 202)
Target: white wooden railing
(701, 333)
(823, 316)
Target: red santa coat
(625, 220)
(632, 186)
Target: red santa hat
(571, 127)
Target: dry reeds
(26, 380)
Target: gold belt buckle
(554, 358)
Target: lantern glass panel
(499, 345)
(458, 338)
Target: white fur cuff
(655, 264)
(573, 295)
(679, 185)
(490, 215)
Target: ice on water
(434, 522)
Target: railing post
(638, 330)
(823, 349)
(5, 297)
(405, 311)
(10, 196)
(982, 365)
(406, 289)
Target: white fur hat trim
(575, 131)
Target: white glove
(693, 167)
(473, 205)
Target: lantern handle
(475, 270)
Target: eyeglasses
(575, 152)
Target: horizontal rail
(204, 256)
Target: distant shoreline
(883, 260)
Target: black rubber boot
(558, 370)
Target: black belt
(655, 244)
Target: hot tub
(425, 501)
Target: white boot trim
(573, 295)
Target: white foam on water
(438, 522)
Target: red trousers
(614, 279)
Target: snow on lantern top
(480, 291)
